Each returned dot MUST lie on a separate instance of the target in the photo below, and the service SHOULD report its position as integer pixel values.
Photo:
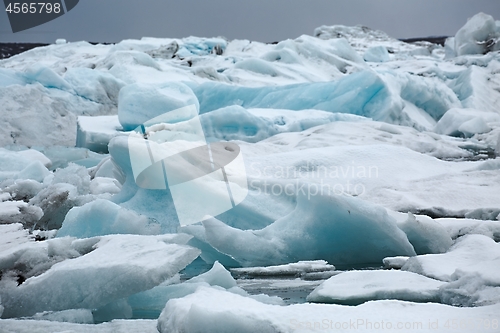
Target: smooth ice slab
(356, 287)
(294, 269)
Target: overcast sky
(261, 20)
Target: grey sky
(261, 20)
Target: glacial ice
(153, 301)
(395, 262)
(305, 112)
(460, 227)
(94, 133)
(466, 122)
(211, 310)
(293, 269)
(478, 36)
(253, 125)
(471, 254)
(340, 230)
(77, 316)
(362, 93)
(28, 164)
(103, 217)
(376, 54)
(426, 235)
(139, 103)
(46, 77)
(134, 263)
(356, 287)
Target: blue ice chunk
(102, 217)
(342, 230)
(363, 93)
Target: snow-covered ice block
(376, 54)
(338, 229)
(94, 133)
(13, 235)
(466, 122)
(108, 268)
(103, 217)
(471, 254)
(460, 227)
(19, 212)
(395, 262)
(356, 287)
(138, 103)
(477, 36)
(293, 269)
(426, 235)
(212, 311)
